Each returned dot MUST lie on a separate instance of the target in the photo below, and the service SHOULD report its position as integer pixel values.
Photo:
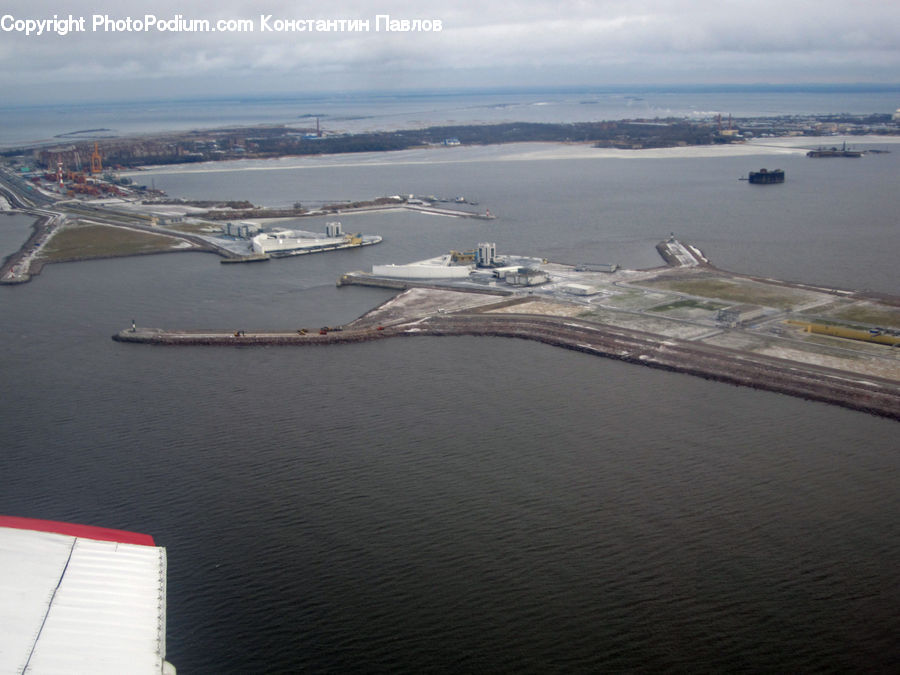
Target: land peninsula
(285, 140)
(829, 345)
(822, 344)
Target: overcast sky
(482, 44)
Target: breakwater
(396, 283)
(20, 266)
(381, 204)
(871, 395)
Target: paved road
(52, 214)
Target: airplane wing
(80, 599)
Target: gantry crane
(96, 161)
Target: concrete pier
(873, 395)
(365, 279)
(673, 318)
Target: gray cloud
(524, 42)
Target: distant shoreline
(533, 151)
(609, 138)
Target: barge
(766, 177)
(834, 152)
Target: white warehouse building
(435, 268)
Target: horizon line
(803, 87)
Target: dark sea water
(833, 222)
(14, 229)
(465, 504)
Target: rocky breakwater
(238, 338)
(872, 395)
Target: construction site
(822, 344)
(67, 174)
(825, 344)
(87, 212)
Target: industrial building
(486, 254)
(290, 242)
(435, 268)
(526, 276)
(580, 289)
(481, 265)
(242, 230)
(597, 267)
(739, 314)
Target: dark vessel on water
(766, 177)
(834, 152)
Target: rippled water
(14, 229)
(833, 222)
(466, 504)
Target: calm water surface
(14, 230)
(832, 222)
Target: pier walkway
(873, 395)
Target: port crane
(96, 160)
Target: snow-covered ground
(519, 152)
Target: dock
(443, 211)
(687, 317)
(872, 395)
(396, 283)
(262, 257)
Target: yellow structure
(878, 335)
(96, 161)
(462, 256)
